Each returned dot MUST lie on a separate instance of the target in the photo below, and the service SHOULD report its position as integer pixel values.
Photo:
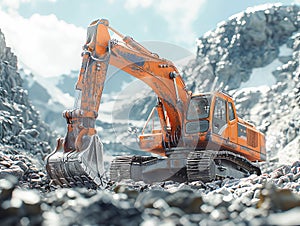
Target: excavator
(191, 137)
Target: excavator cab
(214, 119)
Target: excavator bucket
(77, 169)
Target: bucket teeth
(77, 169)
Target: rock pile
(270, 199)
(25, 139)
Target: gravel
(255, 200)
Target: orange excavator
(199, 137)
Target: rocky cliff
(251, 39)
(25, 139)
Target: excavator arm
(127, 55)
(95, 58)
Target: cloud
(133, 4)
(43, 44)
(49, 46)
(180, 15)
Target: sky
(47, 35)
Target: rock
(146, 199)
(290, 217)
(282, 199)
(18, 204)
(5, 163)
(14, 170)
(31, 201)
(186, 200)
(22, 165)
(6, 187)
(250, 39)
(103, 210)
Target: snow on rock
(227, 55)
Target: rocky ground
(28, 198)
(270, 199)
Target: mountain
(252, 39)
(49, 97)
(52, 95)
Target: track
(209, 165)
(120, 168)
(202, 166)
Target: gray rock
(186, 200)
(146, 199)
(22, 165)
(248, 40)
(13, 170)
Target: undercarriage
(183, 166)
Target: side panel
(232, 133)
(248, 139)
(262, 148)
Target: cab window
(230, 111)
(219, 115)
(199, 108)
